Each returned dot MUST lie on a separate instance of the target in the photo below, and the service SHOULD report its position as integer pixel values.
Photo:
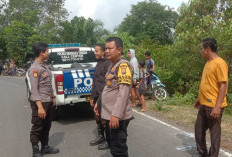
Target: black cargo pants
(40, 127)
(117, 139)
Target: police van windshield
(69, 57)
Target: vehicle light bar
(64, 45)
(71, 49)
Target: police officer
(41, 99)
(116, 108)
(98, 85)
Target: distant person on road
(6, 67)
(98, 85)
(116, 105)
(1, 67)
(41, 99)
(12, 67)
(141, 85)
(150, 67)
(211, 100)
(134, 63)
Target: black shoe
(36, 152)
(103, 146)
(100, 139)
(49, 150)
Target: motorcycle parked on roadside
(20, 71)
(156, 89)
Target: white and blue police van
(72, 67)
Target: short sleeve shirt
(149, 63)
(215, 71)
(39, 78)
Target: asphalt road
(147, 137)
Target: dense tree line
(174, 38)
(24, 22)
(179, 63)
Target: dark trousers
(117, 139)
(204, 122)
(40, 127)
(101, 123)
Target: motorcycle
(156, 89)
(20, 71)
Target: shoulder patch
(124, 74)
(35, 73)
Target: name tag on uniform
(109, 79)
(109, 83)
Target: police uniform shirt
(40, 80)
(115, 96)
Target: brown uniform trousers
(41, 127)
(203, 123)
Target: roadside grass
(185, 116)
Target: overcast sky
(110, 12)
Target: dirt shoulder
(184, 117)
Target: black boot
(103, 146)
(36, 152)
(49, 150)
(100, 139)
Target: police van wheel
(55, 113)
(160, 93)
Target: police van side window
(64, 57)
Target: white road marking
(185, 148)
(177, 129)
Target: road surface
(147, 137)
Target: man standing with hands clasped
(98, 85)
(116, 105)
(41, 100)
(211, 99)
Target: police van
(72, 68)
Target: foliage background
(172, 37)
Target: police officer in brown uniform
(116, 108)
(41, 99)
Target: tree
(85, 31)
(128, 40)
(149, 19)
(26, 21)
(16, 37)
(43, 15)
(198, 20)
